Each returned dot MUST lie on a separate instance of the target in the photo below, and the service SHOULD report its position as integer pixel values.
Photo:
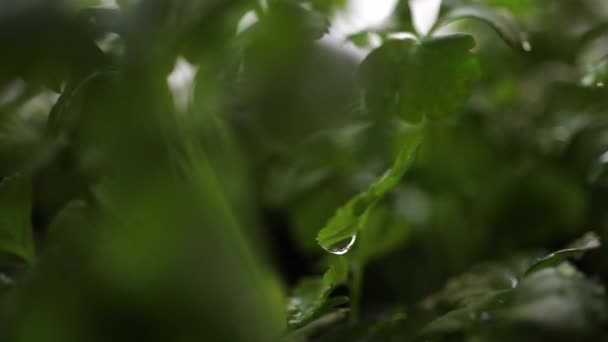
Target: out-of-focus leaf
(474, 312)
(554, 299)
(389, 325)
(293, 87)
(82, 3)
(504, 25)
(124, 4)
(350, 218)
(12, 267)
(362, 39)
(47, 46)
(71, 229)
(559, 298)
(386, 325)
(588, 242)
(15, 225)
(328, 6)
(310, 23)
(320, 324)
(474, 297)
(311, 15)
(596, 75)
(591, 34)
(385, 230)
(103, 19)
(156, 29)
(396, 77)
(468, 286)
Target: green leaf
(386, 229)
(15, 225)
(125, 4)
(103, 19)
(397, 76)
(386, 325)
(311, 297)
(328, 6)
(360, 39)
(559, 298)
(592, 34)
(467, 287)
(588, 242)
(320, 324)
(472, 298)
(337, 272)
(309, 23)
(306, 300)
(477, 310)
(82, 3)
(504, 25)
(350, 218)
(72, 216)
(72, 229)
(596, 75)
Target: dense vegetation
(450, 185)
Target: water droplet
(600, 84)
(341, 247)
(526, 46)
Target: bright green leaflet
(350, 218)
(15, 225)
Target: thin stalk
(355, 292)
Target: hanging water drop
(526, 46)
(341, 247)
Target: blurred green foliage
(282, 188)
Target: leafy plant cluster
(301, 193)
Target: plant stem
(355, 292)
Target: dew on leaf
(341, 247)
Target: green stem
(355, 292)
